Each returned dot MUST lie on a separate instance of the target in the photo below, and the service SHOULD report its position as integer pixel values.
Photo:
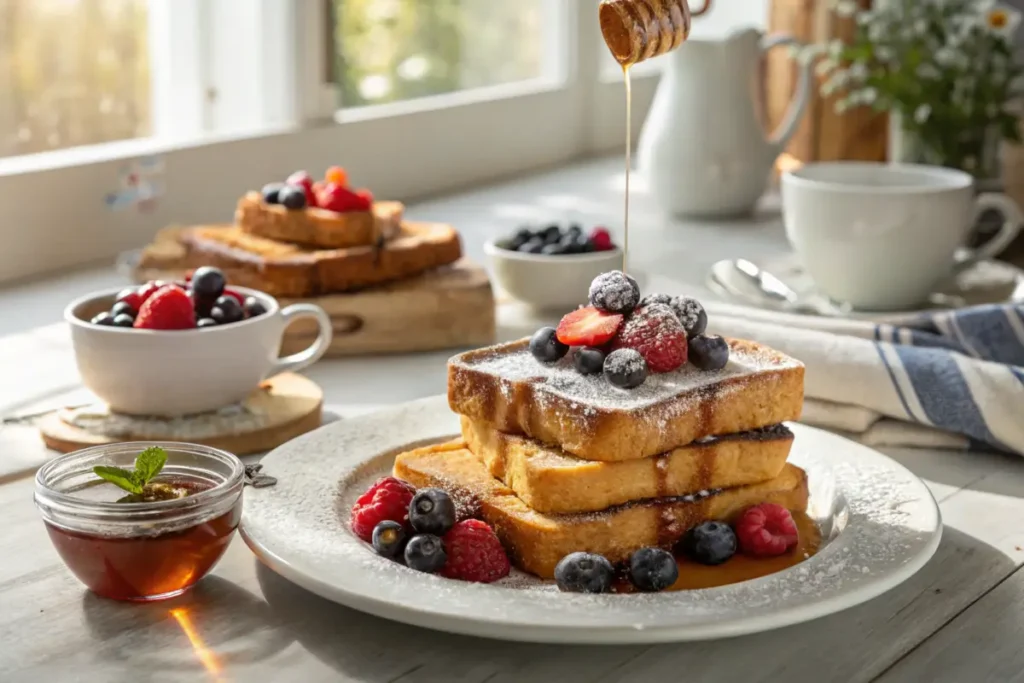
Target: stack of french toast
(305, 238)
(621, 429)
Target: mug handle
(787, 127)
(1012, 220)
(303, 359)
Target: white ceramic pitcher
(702, 149)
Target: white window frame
(261, 65)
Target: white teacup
(182, 372)
(883, 236)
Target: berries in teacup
(204, 300)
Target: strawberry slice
(588, 327)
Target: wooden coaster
(283, 408)
(447, 308)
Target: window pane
(72, 72)
(392, 50)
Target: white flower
(922, 113)
(928, 71)
(825, 66)
(868, 95)
(1002, 21)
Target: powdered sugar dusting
(515, 363)
(614, 291)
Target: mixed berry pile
(203, 300)
(420, 529)
(333, 193)
(764, 530)
(554, 241)
(627, 336)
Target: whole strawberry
(656, 333)
(168, 308)
(474, 553)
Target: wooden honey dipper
(636, 30)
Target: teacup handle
(787, 127)
(1012, 220)
(303, 359)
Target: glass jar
(141, 551)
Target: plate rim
(610, 633)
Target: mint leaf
(119, 477)
(148, 465)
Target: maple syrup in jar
(128, 550)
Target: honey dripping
(635, 31)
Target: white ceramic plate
(879, 521)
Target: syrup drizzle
(629, 162)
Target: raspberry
(387, 500)
(168, 308)
(656, 333)
(474, 553)
(601, 239)
(588, 327)
(766, 530)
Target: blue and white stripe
(959, 371)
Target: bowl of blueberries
(547, 267)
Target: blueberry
(253, 307)
(709, 543)
(271, 193)
(585, 246)
(425, 553)
(614, 292)
(532, 246)
(432, 511)
(708, 352)
(625, 368)
(589, 361)
(206, 322)
(103, 318)
(545, 347)
(521, 237)
(691, 314)
(389, 539)
(122, 307)
(123, 320)
(226, 309)
(292, 197)
(553, 249)
(208, 283)
(551, 234)
(584, 573)
(575, 229)
(653, 569)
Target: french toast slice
(505, 386)
(318, 228)
(289, 270)
(536, 541)
(552, 481)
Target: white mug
(884, 236)
(183, 372)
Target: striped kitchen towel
(944, 379)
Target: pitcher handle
(782, 135)
(702, 10)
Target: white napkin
(950, 379)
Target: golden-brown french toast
(536, 541)
(550, 480)
(505, 386)
(318, 228)
(289, 270)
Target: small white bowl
(549, 282)
(168, 373)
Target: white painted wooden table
(958, 620)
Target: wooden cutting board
(282, 408)
(448, 308)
